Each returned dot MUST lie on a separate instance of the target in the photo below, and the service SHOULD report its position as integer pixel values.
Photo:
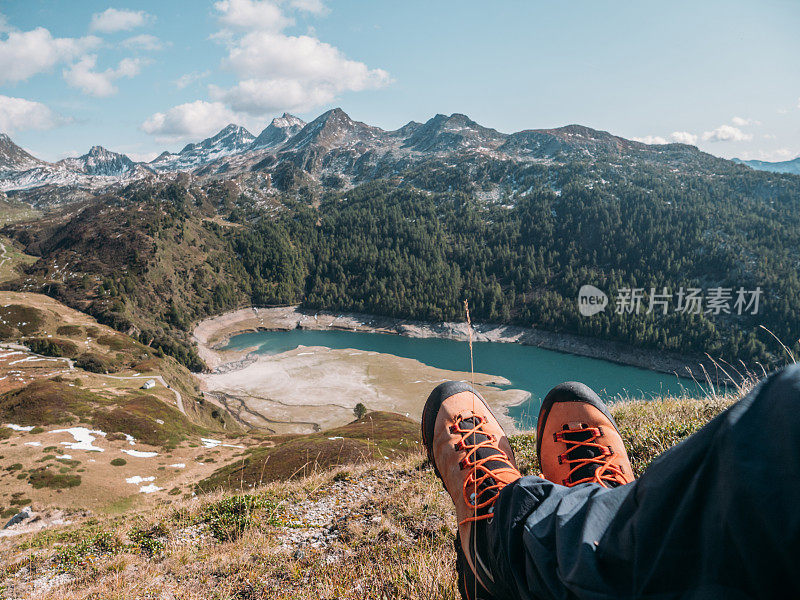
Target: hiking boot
(471, 455)
(577, 440)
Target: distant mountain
(99, 161)
(335, 151)
(333, 129)
(230, 140)
(277, 132)
(786, 166)
(13, 158)
(448, 134)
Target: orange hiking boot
(471, 455)
(577, 440)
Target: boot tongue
(485, 452)
(581, 452)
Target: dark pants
(717, 516)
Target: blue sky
(147, 76)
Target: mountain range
(785, 166)
(333, 150)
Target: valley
(123, 387)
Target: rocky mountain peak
(278, 131)
(333, 128)
(458, 131)
(14, 158)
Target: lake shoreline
(212, 334)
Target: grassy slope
(377, 530)
(149, 265)
(45, 393)
(376, 436)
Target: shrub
(119, 462)
(228, 518)
(52, 347)
(82, 553)
(95, 363)
(149, 541)
(42, 477)
(69, 330)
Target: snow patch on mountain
(230, 140)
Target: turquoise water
(528, 368)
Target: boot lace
(585, 455)
(483, 457)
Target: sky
(144, 77)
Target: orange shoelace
(604, 473)
(481, 478)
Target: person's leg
(471, 455)
(716, 516)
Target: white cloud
(650, 139)
(281, 72)
(191, 120)
(4, 26)
(113, 19)
(24, 54)
(18, 114)
(798, 103)
(726, 133)
(252, 14)
(683, 137)
(315, 7)
(257, 96)
(144, 41)
(82, 75)
(189, 78)
(276, 71)
(780, 154)
(741, 122)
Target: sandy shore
(312, 388)
(315, 388)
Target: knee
(782, 389)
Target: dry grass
(394, 542)
(369, 531)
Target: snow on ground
(139, 453)
(149, 489)
(209, 443)
(84, 438)
(137, 479)
(33, 443)
(130, 439)
(33, 358)
(178, 466)
(64, 457)
(19, 427)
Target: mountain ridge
(336, 150)
(784, 166)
